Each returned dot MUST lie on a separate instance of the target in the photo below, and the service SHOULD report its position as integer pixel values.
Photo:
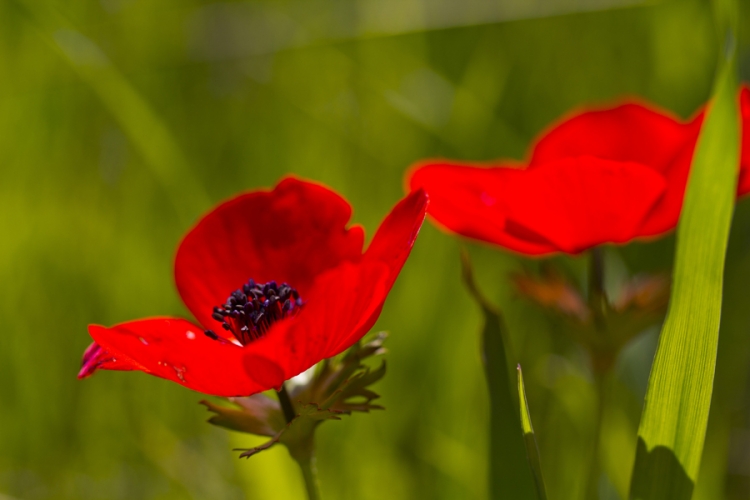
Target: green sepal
(297, 435)
(257, 414)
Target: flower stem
(598, 301)
(304, 451)
(592, 489)
(310, 475)
(286, 404)
(599, 305)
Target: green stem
(310, 475)
(592, 489)
(599, 305)
(304, 452)
(598, 301)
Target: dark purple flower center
(251, 310)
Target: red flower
(605, 176)
(315, 292)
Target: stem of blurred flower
(304, 452)
(592, 488)
(597, 293)
(599, 305)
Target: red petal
(391, 246)
(470, 200)
(743, 186)
(97, 358)
(581, 202)
(177, 350)
(339, 313)
(397, 233)
(346, 302)
(291, 234)
(630, 133)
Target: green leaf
(532, 450)
(510, 475)
(675, 414)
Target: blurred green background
(121, 121)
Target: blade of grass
(510, 475)
(675, 414)
(532, 450)
(145, 129)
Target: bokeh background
(121, 121)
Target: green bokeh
(121, 121)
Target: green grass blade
(510, 475)
(145, 129)
(675, 414)
(532, 450)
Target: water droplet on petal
(180, 372)
(143, 341)
(190, 335)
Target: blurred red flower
(278, 282)
(603, 176)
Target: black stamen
(250, 310)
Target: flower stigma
(250, 311)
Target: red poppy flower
(278, 283)
(604, 176)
